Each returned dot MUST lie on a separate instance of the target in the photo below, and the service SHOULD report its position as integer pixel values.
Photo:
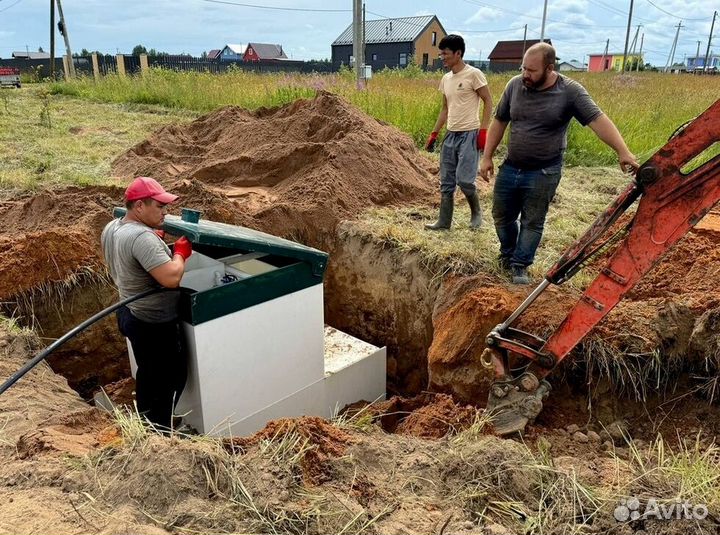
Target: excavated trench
(660, 343)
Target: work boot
(520, 275)
(475, 210)
(446, 213)
(505, 265)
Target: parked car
(9, 77)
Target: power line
(576, 24)
(276, 8)
(11, 5)
(668, 13)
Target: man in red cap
(139, 260)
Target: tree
(40, 49)
(139, 49)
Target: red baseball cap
(144, 187)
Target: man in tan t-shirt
(463, 88)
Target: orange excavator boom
(673, 197)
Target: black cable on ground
(37, 359)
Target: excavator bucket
(512, 409)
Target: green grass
(582, 195)
(48, 140)
(647, 107)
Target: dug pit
(659, 344)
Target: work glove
(183, 247)
(481, 139)
(430, 144)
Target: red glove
(430, 144)
(481, 139)
(183, 247)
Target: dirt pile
(427, 415)
(313, 439)
(296, 170)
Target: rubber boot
(446, 213)
(475, 210)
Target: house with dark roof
(393, 42)
(232, 52)
(30, 55)
(508, 55)
(214, 53)
(263, 52)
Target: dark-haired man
(539, 105)
(463, 87)
(139, 260)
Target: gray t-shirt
(131, 250)
(539, 120)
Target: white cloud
(485, 14)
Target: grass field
(647, 107)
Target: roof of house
(608, 54)
(268, 51)
(399, 30)
(512, 49)
(573, 63)
(30, 55)
(237, 49)
(215, 52)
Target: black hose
(37, 359)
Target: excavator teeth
(513, 411)
(507, 422)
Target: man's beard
(535, 85)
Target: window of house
(374, 57)
(403, 59)
(426, 58)
(434, 38)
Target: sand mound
(51, 236)
(77, 433)
(301, 167)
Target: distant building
(213, 54)
(264, 52)
(508, 55)
(231, 52)
(572, 65)
(30, 55)
(393, 42)
(698, 62)
(612, 61)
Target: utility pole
(602, 60)
(707, 52)
(542, 29)
(671, 57)
(357, 43)
(524, 42)
(64, 31)
(697, 53)
(52, 40)
(627, 36)
(640, 56)
(363, 44)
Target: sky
(307, 28)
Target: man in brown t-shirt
(463, 87)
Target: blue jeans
(459, 162)
(520, 204)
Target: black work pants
(161, 360)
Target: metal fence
(187, 63)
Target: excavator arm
(671, 202)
